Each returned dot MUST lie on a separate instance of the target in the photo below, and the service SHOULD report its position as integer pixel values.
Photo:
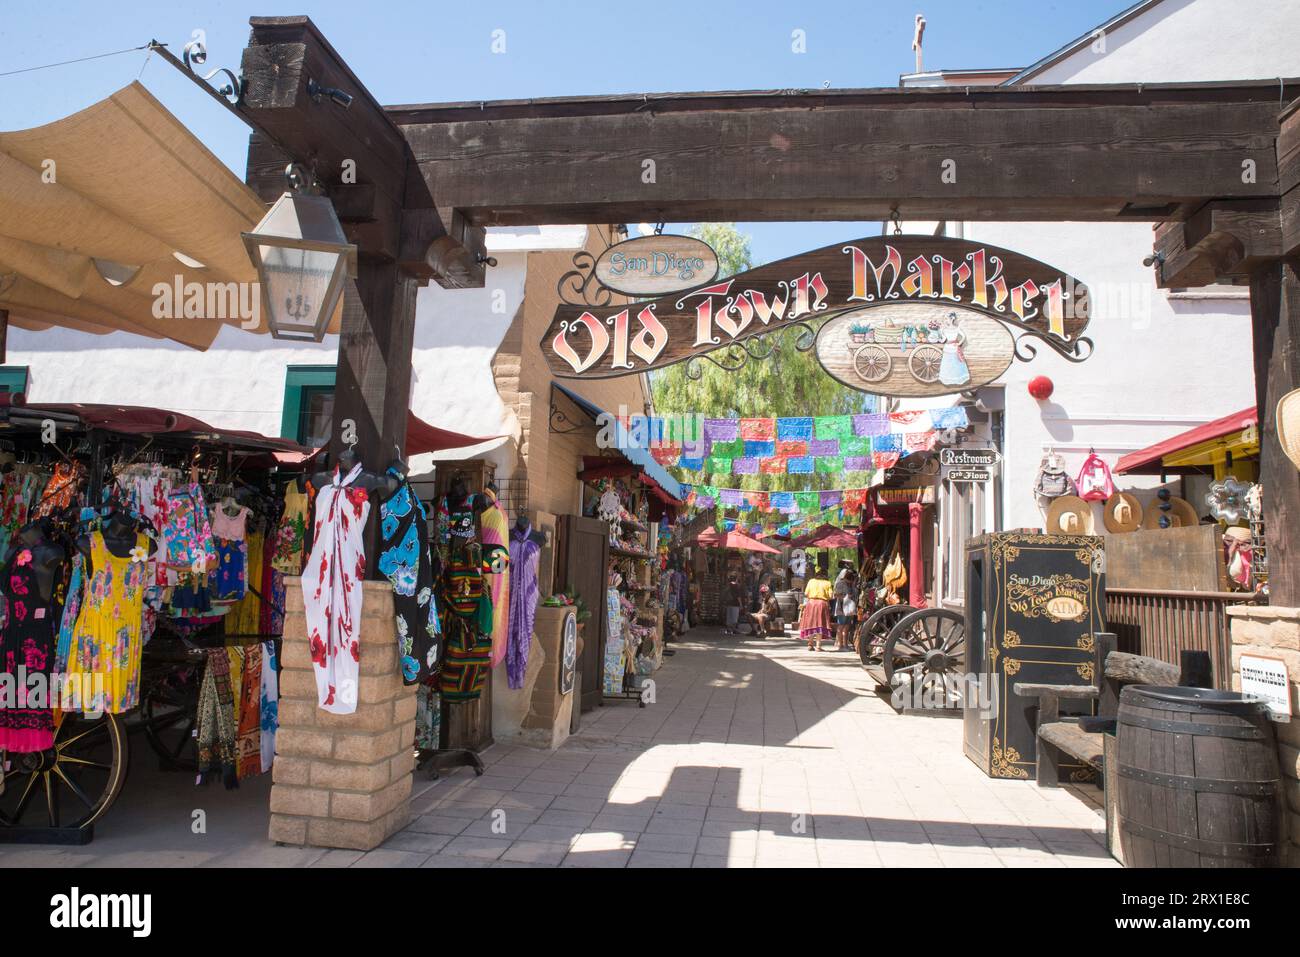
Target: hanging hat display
(1069, 515)
(1170, 511)
(1122, 513)
(1288, 426)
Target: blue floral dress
(405, 560)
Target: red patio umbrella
(734, 539)
(832, 538)
(708, 538)
(802, 541)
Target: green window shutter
(13, 379)
(299, 383)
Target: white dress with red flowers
(331, 591)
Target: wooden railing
(1160, 624)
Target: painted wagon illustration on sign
(915, 349)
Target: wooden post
(1275, 313)
(363, 162)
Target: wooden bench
(1083, 737)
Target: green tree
(786, 383)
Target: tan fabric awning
(136, 199)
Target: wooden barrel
(1198, 779)
(788, 602)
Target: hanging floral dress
(332, 591)
(107, 640)
(229, 533)
(61, 490)
(405, 561)
(26, 649)
(291, 533)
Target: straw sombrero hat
(1122, 513)
(1288, 426)
(1069, 515)
(1181, 514)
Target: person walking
(735, 596)
(815, 619)
(846, 607)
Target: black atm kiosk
(1033, 604)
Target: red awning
(1152, 454)
(422, 437)
(144, 420)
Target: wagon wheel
(925, 362)
(71, 784)
(875, 629)
(169, 713)
(872, 363)
(929, 645)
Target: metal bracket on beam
(1223, 241)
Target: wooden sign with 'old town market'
(908, 315)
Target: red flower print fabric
(332, 592)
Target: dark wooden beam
(1044, 153)
(1275, 312)
(349, 150)
(1222, 242)
(1288, 175)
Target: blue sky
(409, 52)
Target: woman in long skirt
(815, 619)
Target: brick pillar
(1274, 632)
(343, 780)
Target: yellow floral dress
(106, 642)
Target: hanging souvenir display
(27, 641)
(495, 539)
(1052, 480)
(1227, 500)
(1094, 483)
(525, 554)
(406, 562)
(332, 593)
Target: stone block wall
(536, 715)
(1275, 633)
(343, 780)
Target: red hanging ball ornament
(1040, 387)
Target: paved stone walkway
(755, 753)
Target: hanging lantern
(302, 258)
(1041, 387)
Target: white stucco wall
(1177, 41)
(239, 382)
(1163, 363)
